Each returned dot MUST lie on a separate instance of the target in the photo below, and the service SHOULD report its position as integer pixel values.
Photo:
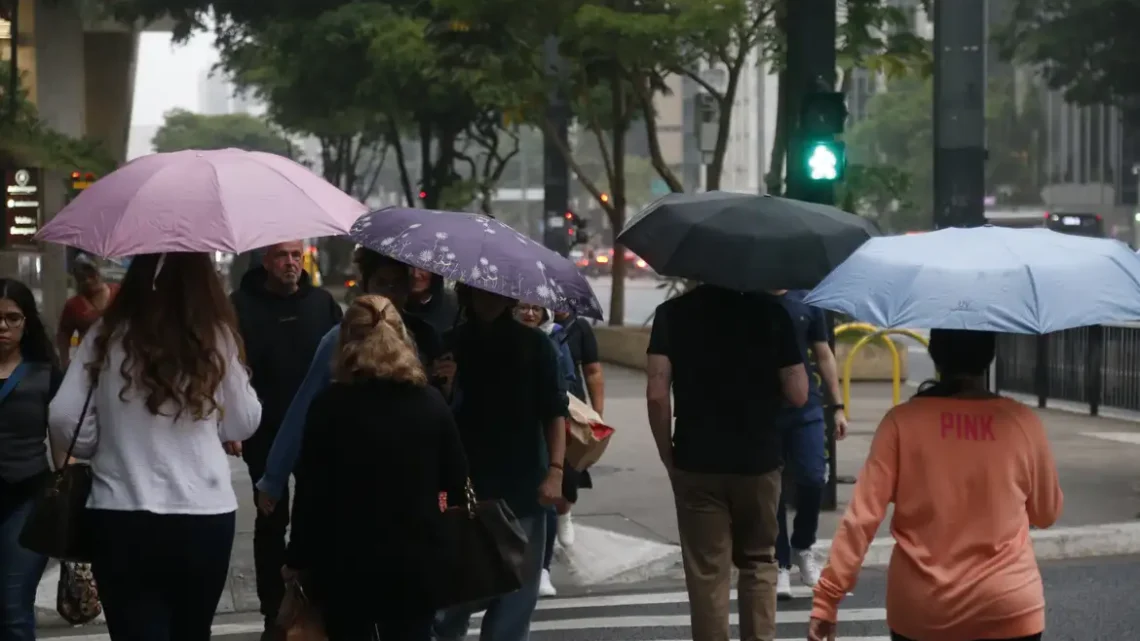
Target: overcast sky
(167, 75)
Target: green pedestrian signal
(825, 161)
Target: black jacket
(441, 309)
(375, 456)
(281, 334)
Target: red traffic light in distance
(423, 195)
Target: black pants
(400, 626)
(1033, 637)
(160, 576)
(268, 545)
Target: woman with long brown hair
(157, 387)
(379, 446)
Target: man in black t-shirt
(731, 363)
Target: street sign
(23, 203)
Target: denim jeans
(507, 617)
(805, 454)
(20, 574)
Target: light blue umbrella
(1024, 281)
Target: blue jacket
(287, 444)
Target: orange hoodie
(967, 477)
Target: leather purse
(484, 552)
(56, 524)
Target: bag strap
(78, 425)
(13, 380)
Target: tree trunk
(620, 114)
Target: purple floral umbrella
(478, 251)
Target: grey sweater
(23, 423)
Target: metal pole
(959, 113)
(811, 67)
(555, 172)
(14, 61)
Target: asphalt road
(1087, 600)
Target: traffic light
(576, 229)
(81, 180)
(826, 160)
(822, 118)
(423, 196)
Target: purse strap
(78, 425)
(13, 380)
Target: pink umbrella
(201, 201)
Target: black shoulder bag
(55, 527)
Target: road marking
(1132, 438)
(682, 620)
(644, 598)
(218, 630)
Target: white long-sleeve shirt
(143, 462)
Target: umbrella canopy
(744, 242)
(1026, 281)
(202, 201)
(481, 252)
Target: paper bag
(586, 435)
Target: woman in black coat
(380, 446)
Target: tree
(25, 139)
(1086, 48)
(182, 129)
(892, 158)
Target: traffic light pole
(959, 113)
(811, 68)
(555, 171)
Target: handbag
(484, 554)
(55, 526)
(76, 597)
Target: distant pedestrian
(730, 362)
(969, 473)
(805, 442)
(380, 445)
(282, 317)
(382, 276)
(93, 295)
(541, 318)
(578, 335)
(166, 378)
(511, 408)
(29, 378)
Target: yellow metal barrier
(876, 334)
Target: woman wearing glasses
(29, 377)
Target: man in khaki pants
(731, 362)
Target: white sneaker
(545, 587)
(565, 530)
(809, 570)
(784, 585)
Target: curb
(1057, 544)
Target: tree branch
(579, 173)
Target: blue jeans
(805, 453)
(507, 617)
(20, 574)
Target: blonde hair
(374, 343)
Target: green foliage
(877, 36)
(26, 140)
(185, 130)
(1087, 48)
(891, 152)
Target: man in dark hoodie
(431, 301)
(282, 318)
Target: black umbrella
(745, 242)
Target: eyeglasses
(12, 319)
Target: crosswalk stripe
(218, 630)
(682, 620)
(642, 598)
